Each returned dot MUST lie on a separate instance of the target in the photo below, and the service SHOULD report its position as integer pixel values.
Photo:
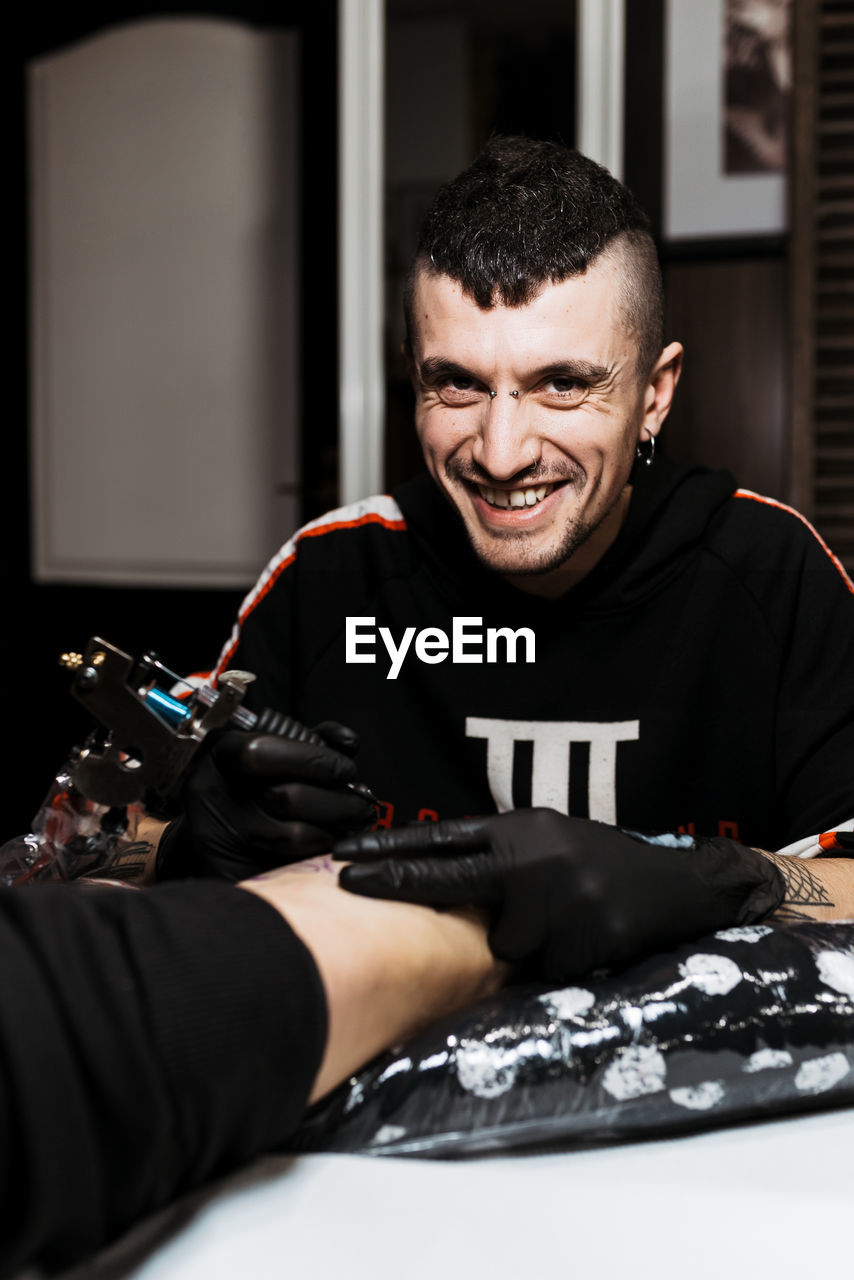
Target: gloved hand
(566, 895)
(252, 801)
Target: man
(553, 623)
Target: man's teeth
(508, 498)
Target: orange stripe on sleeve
(309, 533)
(372, 517)
(288, 552)
(781, 506)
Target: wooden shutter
(822, 271)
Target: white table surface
(774, 1199)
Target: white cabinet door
(164, 235)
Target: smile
(508, 498)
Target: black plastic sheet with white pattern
(746, 1023)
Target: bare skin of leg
(388, 968)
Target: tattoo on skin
(324, 864)
(803, 889)
(131, 863)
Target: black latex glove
(566, 895)
(252, 801)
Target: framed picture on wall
(727, 77)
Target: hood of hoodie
(671, 509)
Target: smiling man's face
(529, 418)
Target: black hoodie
(700, 677)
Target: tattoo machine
(131, 764)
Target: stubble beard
(508, 551)
(514, 556)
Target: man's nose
(506, 443)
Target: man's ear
(661, 384)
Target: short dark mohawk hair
(528, 213)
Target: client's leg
(388, 968)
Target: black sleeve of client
(148, 1042)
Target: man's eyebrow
(434, 368)
(581, 370)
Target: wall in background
(730, 408)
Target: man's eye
(459, 390)
(565, 390)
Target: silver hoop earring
(646, 455)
